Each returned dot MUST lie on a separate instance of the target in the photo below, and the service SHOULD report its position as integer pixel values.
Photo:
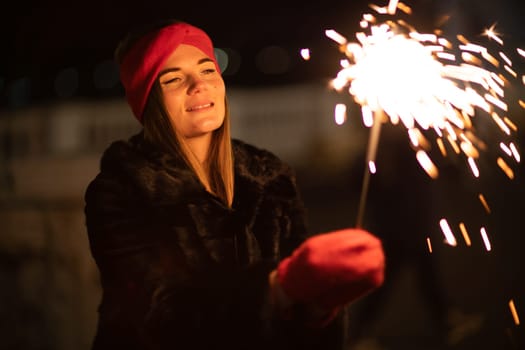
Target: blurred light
(340, 113)
(372, 167)
(273, 60)
(473, 166)
(228, 59)
(515, 152)
(305, 54)
(514, 312)
(66, 82)
(106, 75)
(486, 240)
(368, 117)
(222, 58)
(464, 232)
(427, 164)
(449, 236)
(335, 36)
(429, 244)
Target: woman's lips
(199, 107)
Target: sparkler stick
(435, 87)
(430, 85)
(370, 157)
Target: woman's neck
(200, 147)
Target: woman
(200, 239)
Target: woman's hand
(330, 270)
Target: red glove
(333, 269)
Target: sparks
(484, 202)
(427, 164)
(449, 236)
(305, 54)
(492, 34)
(429, 245)
(514, 313)
(425, 82)
(340, 114)
(372, 167)
(506, 169)
(464, 232)
(485, 238)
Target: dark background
(41, 38)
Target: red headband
(143, 62)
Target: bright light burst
(428, 83)
(437, 88)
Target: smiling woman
(165, 87)
(194, 93)
(200, 239)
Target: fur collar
(155, 174)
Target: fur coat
(178, 268)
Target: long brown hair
(216, 174)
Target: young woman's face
(193, 92)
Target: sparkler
(433, 86)
(437, 88)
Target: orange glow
(429, 245)
(464, 232)
(484, 203)
(441, 146)
(514, 312)
(506, 169)
(426, 164)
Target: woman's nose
(196, 84)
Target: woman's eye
(209, 71)
(171, 80)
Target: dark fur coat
(179, 269)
